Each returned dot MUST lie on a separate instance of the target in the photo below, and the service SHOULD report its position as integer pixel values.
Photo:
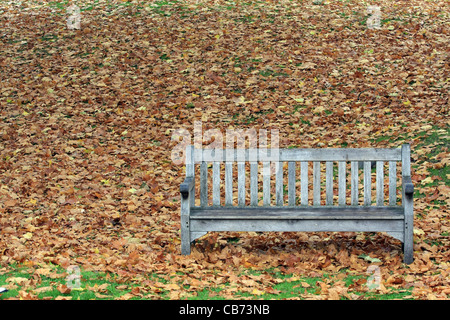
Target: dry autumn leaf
(63, 289)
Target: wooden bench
(286, 211)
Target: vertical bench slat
(304, 182)
(266, 183)
(203, 184)
(216, 183)
(342, 182)
(380, 183)
(279, 183)
(392, 183)
(367, 183)
(228, 183)
(241, 183)
(329, 182)
(316, 183)
(354, 183)
(291, 183)
(254, 183)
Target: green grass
(295, 287)
(92, 285)
(107, 286)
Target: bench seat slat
(301, 213)
(297, 225)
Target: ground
(87, 120)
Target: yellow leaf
(418, 232)
(28, 235)
(427, 180)
(257, 292)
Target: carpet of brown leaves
(86, 118)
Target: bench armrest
(186, 187)
(408, 187)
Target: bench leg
(185, 248)
(408, 251)
(408, 243)
(185, 235)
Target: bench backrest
(254, 163)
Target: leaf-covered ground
(87, 116)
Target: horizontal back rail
(329, 154)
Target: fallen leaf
(305, 285)
(43, 289)
(63, 289)
(257, 292)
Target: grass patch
(50, 282)
(291, 286)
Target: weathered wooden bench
(344, 211)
